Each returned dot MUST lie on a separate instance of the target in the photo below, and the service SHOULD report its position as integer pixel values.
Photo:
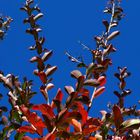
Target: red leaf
(42, 77)
(118, 119)
(90, 129)
(77, 125)
(29, 129)
(84, 91)
(26, 138)
(102, 80)
(99, 91)
(59, 95)
(92, 138)
(80, 82)
(34, 119)
(83, 112)
(93, 121)
(91, 125)
(45, 110)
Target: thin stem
(111, 20)
(53, 130)
(91, 100)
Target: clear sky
(65, 22)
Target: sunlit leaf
(130, 124)
(118, 118)
(77, 125)
(39, 15)
(91, 82)
(69, 89)
(45, 110)
(113, 35)
(76, 74)
(99, 91)
(26, 129)
(47, 55)
(51, 70)
(102, 80)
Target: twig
(106, 41)
(91, 100)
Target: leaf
(50, 70)
(49, 86)
(92, 125)
(113, 35)
(69, 89)
(71, 115)
(122, 84)
(84, 92)
(47, 55)
(76, 74)
(42, 77)
(91, 82)
(59, 95)
(99, 91)
(102, 80)
(38, 16)
(26, 129)
(105, 22)
(90, 129)
(114, 24)
(130, 124)
(34, 119)
(118, 118)
(99, 69)
(90, 68)
(80, 83)
(82, 111)
(34, 59)
(92, 138)
(77, 125)
(84, 99)
(45, 110)
(97, 38)
(26, 138)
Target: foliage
(69, 119)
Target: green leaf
(19, 136)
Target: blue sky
(64, 24)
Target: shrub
(69, 119)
